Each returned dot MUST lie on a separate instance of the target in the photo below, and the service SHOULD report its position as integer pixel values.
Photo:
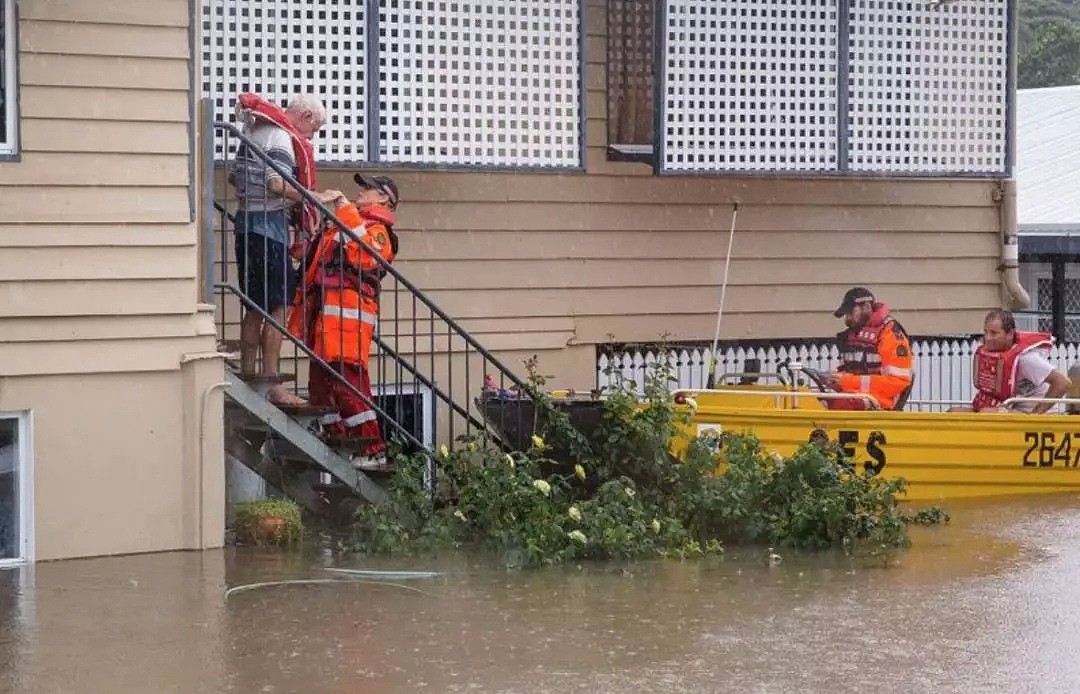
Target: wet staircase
(418, 350)
(282, 445)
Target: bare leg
(271, 343)
(271, 362)
(250, 328)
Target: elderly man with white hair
(266, 201)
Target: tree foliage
(1049, 50)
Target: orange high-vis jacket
(335, 309)
(876, 359)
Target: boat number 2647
(1045, 449)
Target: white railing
(942, 365)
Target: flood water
(989, 603)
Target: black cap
(853, 296)
(383, 183)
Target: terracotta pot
(269, 529)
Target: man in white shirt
(1011, 363)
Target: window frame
(9, 146)
(24, 486)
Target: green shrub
(623, 496)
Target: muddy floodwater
(990, 603)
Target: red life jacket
(859, 348)
(994, 373)
(259, 108)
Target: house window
(8, 116)
(15, 481)
(630, 73)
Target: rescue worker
(875, 355)
(1011, 363)
(335, 310)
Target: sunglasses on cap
(382, 184)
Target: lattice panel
(1045, 296)
(630, 71)
(928, 87)
(750, 85)
(480, 82)
(277, 48)
(1044, 302)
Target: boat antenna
(713, 361)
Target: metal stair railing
(417, 350)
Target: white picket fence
(942, 366)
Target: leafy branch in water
(619, 492)
(934, 515)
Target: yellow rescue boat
(942, 455)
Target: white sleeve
(279, 148)
(1034, 367)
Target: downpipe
(1005, 197)
(203, 407)
(202, 461)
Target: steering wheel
(815, 377)
(819, 380)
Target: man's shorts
(262, 263)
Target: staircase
(423, 366)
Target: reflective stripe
(895, 371)
(350, 313)
(864, 384)
(360, 418)
(337, 311)
(360, 231)
(332, 418)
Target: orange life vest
(859, 348)
(994, 373)
(336, 307)
(876, 359)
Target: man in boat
(875, 355)
(1013, 363)
(335, 310)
